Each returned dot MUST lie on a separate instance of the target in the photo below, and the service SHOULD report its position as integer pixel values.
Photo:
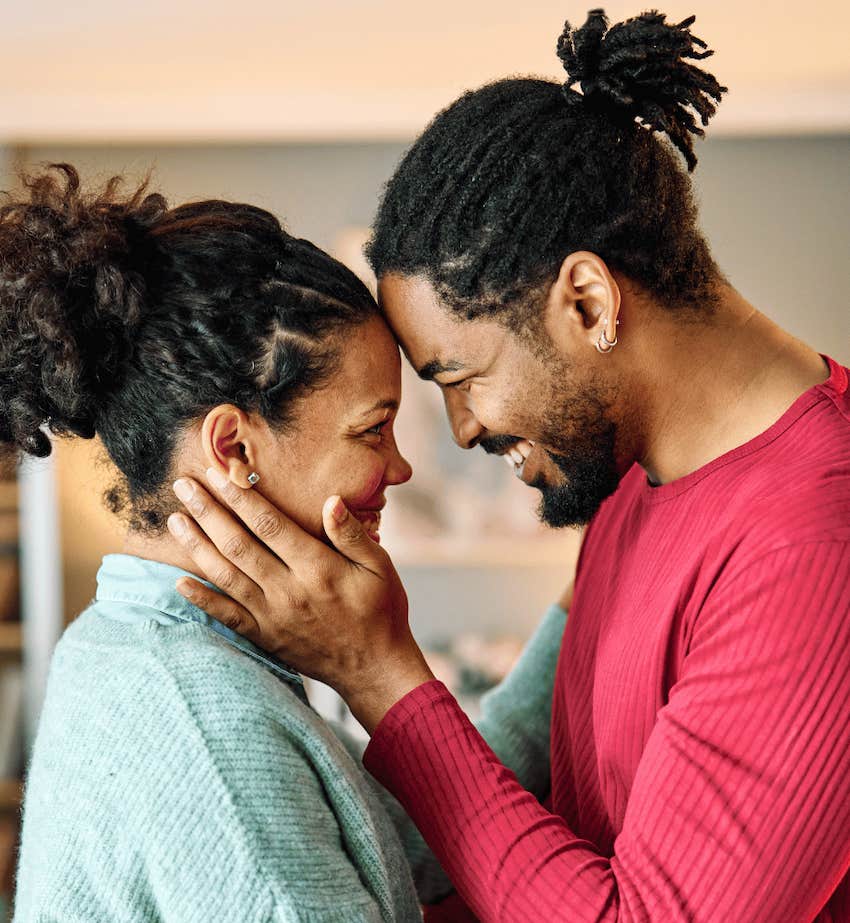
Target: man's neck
(711, 386)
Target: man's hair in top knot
(508, 180)
(638, 70)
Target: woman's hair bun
(72, 291)
(639, 69)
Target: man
(539, 258)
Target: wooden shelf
(11, 638)
(11, 793)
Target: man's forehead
(433, 338)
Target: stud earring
(253, 477)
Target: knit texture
(701, 712)
(176, 778)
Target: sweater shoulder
(171, 682)
(199, 751)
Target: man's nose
(466, 430)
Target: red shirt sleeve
(739, 809)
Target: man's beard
(590, 471)
(586, 457)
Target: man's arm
(739, 808)
(515, 721)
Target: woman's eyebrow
(387, 404)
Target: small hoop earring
(253, 477)
(603, 344)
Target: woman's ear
(583, 302)
(230, 443)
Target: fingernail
(340, 511)
(176, 525)
(216, 478)
(183, 489)
(185, 589)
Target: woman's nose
(398, 469)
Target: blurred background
(305, 110)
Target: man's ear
(583, 302)
(230, 443)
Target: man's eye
(377, 428)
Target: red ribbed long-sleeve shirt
(700, 739)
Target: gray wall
(776, 213)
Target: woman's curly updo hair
(513, 177)
(122, 318)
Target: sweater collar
(147, 588)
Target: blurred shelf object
(11, 639)
(11, 794)
(8, 852)
(9, 567)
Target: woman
(179, 773)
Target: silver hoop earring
(253, 477)
(603, 344)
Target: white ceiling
(269, 69)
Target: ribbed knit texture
(701, 713)
(174, 779)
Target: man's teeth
(518, 453)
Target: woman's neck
(161, 548)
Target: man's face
(508, 393)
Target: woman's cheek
(365, 482)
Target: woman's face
(341, 440)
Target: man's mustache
(498, 445)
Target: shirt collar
(149, 586)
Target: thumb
(347, 532)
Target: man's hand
(337, 615)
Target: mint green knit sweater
(177, 778)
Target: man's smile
(517, 455)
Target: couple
(677, 752)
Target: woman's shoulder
(168, 738)
(180, 701)
(183, 671)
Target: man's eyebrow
(434, 367)
(388, 404)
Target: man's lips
(517, 456)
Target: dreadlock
(514, 176)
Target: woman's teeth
(371, 520)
